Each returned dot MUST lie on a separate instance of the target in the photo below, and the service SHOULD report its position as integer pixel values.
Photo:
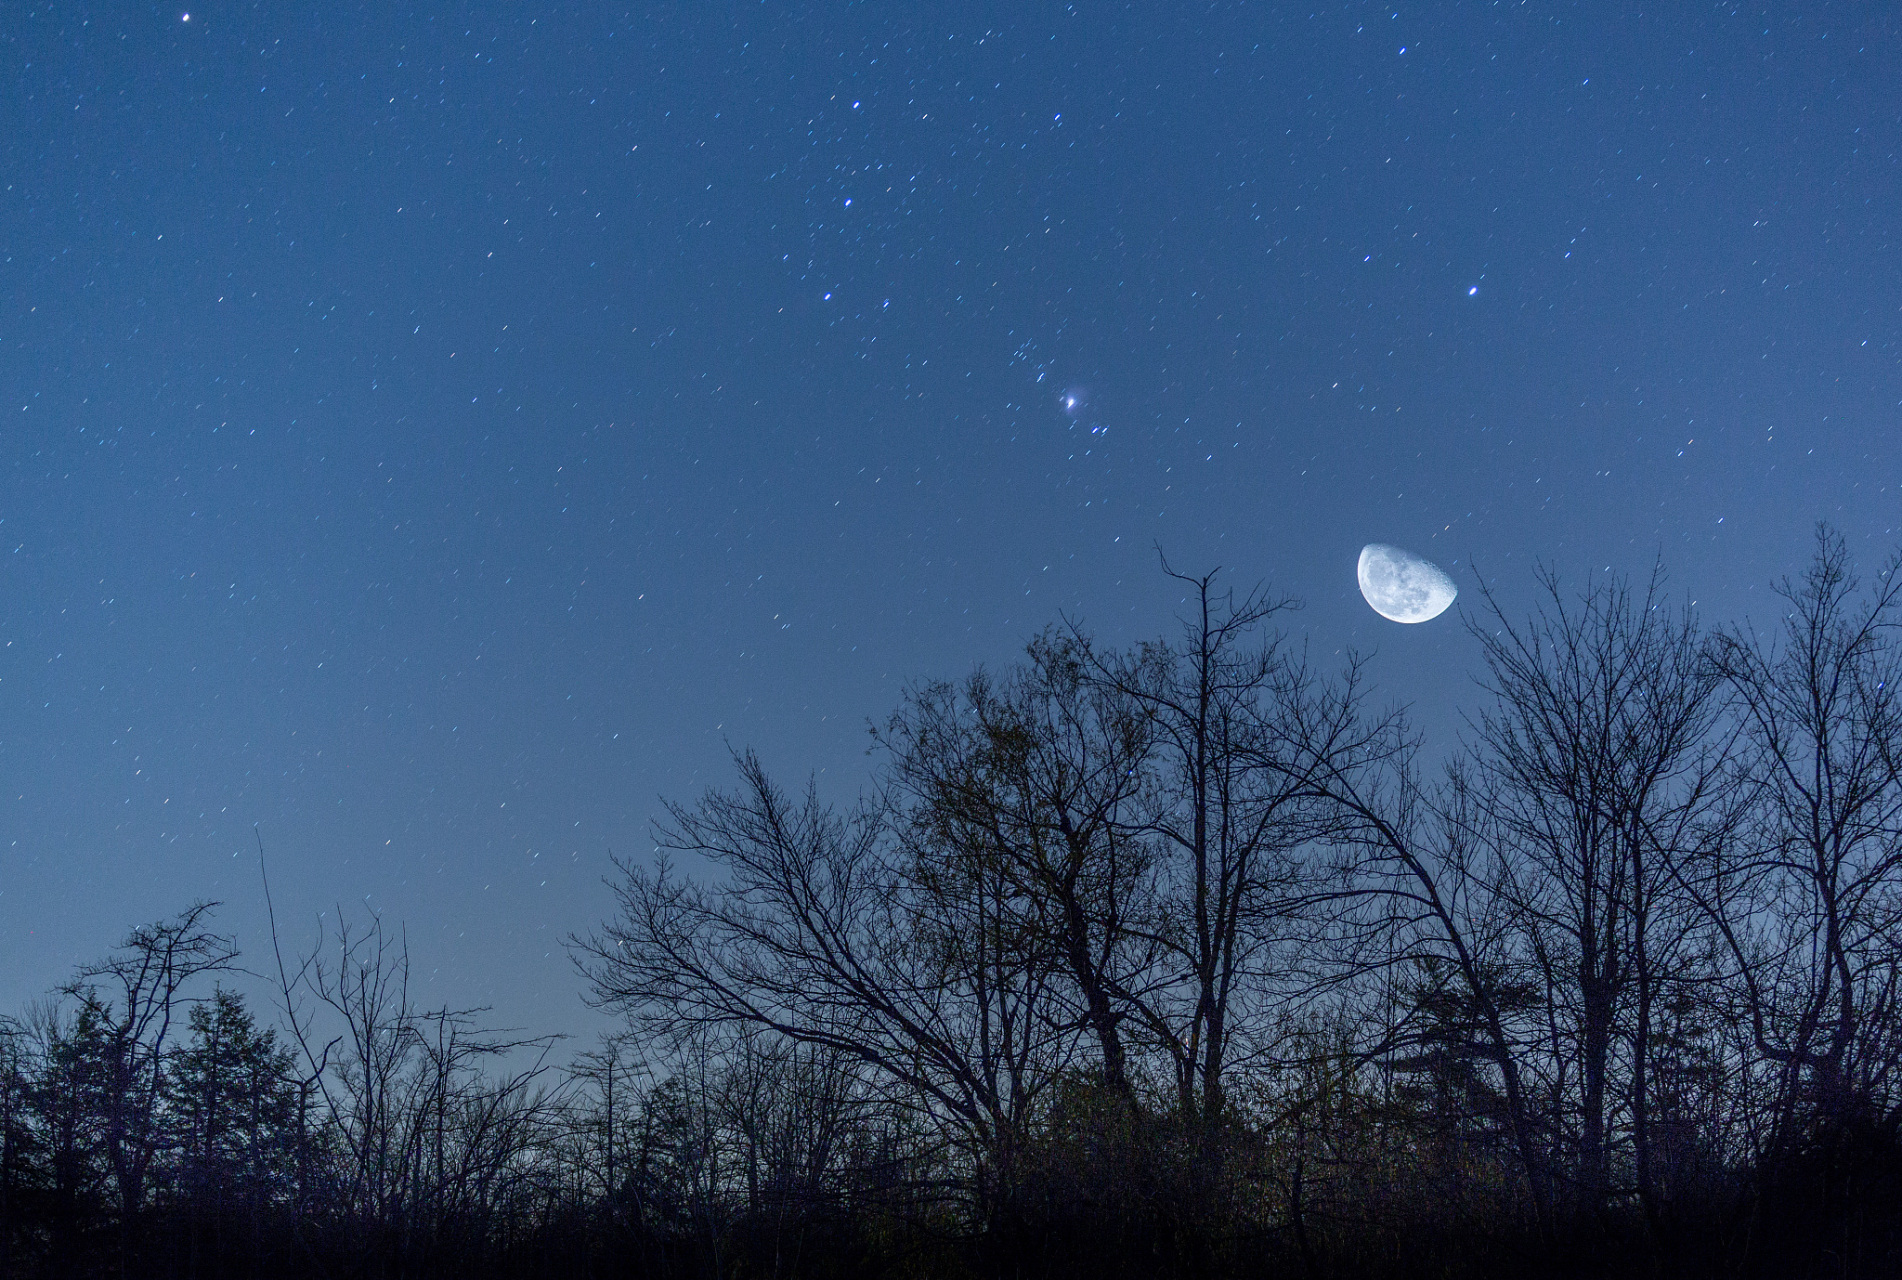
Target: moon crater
(1401, 586)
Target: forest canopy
(1172, 959)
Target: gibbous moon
(1402, 586)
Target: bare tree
(614, 1082)
(1043, 778)
(1810, 904)
(1593, 779)
(428, 1145)
(838, 932)
(1406, 896)
(1233, 813)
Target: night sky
(436, 433)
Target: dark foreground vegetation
(1168, 961)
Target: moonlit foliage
(1401, 586)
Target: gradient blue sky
(433, 433)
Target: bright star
(1470, 292)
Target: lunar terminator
(1402, 586)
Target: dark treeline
(1173, 960)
